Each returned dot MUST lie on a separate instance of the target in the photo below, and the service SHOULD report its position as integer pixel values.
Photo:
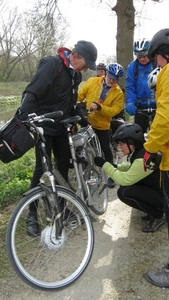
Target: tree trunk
(125, 32)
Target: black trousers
(104, 139)
(143, 198)
(59, 146)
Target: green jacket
(111, 106)
(158, 136)
(126, 174)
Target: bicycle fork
(51, 194)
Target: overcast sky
(93, 21)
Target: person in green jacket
(104, 99)
(138, 189)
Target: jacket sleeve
(130, 84)
(42, 80)
(82, 92)
(158, 136)
(134, 174)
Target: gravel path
(122, 254)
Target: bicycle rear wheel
(94, 179)
(44, 262)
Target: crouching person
(138, 189)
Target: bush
(15, 178)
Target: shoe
(160, 277)
(32, 225)
(154, 224)
(111, 183)
(145, 218)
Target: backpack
(136, 68)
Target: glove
(131, 109)
(99, 161)
(151, 157)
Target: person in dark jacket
(138, 189)
(53, 88)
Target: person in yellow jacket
(158, 136)
(104, 99)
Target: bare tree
(24, 41)
(125, 12)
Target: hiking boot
(32, 225)
(154, 224)
(160, 277)
(145, 217)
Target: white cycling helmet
(152, 77)
(141, 47)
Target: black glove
(99, 161)
(151, 157)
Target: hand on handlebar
(149, 158)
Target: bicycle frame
(87, 144)
(47, 180)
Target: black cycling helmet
(132, 134)
(101, 66)
(159, 43)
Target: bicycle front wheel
(45, 262)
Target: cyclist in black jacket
(53, 88)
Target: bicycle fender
(31, 190)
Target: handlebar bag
(15, 140)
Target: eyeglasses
(142, 56)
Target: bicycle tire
(37, 261)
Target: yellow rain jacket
(111, 106)
(158, 136)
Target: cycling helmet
(115, 71)
(159, 43)
(152, 77)
(141, 47)
(101, 66)
(129, 133)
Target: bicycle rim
(40, 261)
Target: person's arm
(42, 80)
(158, 135)
(131, 89)
(134, 174)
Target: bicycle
(149, 114)
(117, 153)
(56, 257)
(86, 179)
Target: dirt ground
(122, 254)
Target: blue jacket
(137, 90)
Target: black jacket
(50, 90)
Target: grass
(10, 89)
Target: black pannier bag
(15, 140)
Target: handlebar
(46, 117)
(149, 110)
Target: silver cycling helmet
(152, 78)
(141, 47)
